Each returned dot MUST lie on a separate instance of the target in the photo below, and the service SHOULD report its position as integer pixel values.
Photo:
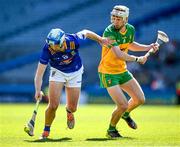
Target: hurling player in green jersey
(113, 73)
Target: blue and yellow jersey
(66, 61)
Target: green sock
(112, 127)
(125, 115)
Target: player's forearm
(122, 55)
(127, 57)
(93, 36)
(139, 47)
(37, 83)
(38, 77)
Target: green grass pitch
(157, 126)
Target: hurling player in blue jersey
(61, 52)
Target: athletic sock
(125, 115)
(112, 128)
(47, 128)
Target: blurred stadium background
(25, 24)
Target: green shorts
(109, 80)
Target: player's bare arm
(142, 47)
(38, 79)
(93, 36)
(126, 57)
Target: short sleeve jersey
(67, 61)
(110, 63)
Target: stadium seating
(25, 24)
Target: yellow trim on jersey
(65, 44)
(104, 80)
(123, 33)
(72, 45)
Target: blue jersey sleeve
(45, 55)
(78, 38)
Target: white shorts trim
(73, 79)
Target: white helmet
(120, 11)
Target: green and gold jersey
(110, 63)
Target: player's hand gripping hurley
(29, 128)
(162, 37)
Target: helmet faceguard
(56, 37)
(120, 11)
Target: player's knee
(141, 99)
(123, 107)
(72, 109)
(53, 106)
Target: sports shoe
(130, 122)
(113, 134)
(44, 135)
(70, 120)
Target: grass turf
(157, 126)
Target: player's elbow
(117, 52)
(85, 32)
